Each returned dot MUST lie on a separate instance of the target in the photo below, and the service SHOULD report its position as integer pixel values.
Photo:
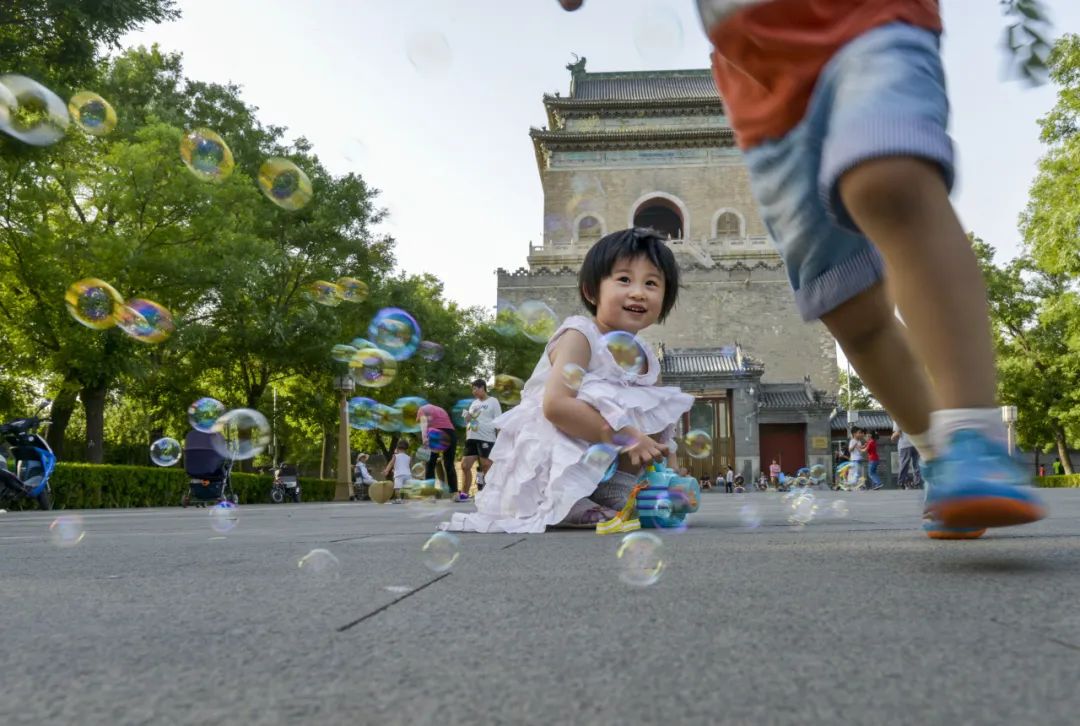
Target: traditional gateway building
(654, 148)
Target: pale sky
(446, 137)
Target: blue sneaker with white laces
(976, 484)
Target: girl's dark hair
(627, 244)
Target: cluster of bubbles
(97, 305)
(34, 115)
(332, 294)
(441, 551)
(243, 433)
(848, 479)
(640, 557)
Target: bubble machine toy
(667, 498)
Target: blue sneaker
(976, 484)
(934, 527)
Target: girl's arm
(579, 419)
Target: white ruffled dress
(537, 472)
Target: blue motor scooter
(33, 459)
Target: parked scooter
(34, 461)
(286, 484)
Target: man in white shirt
(910, 474)
(479, 434)
(857, 455)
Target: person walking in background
(874, 460)
(729, 480)
(857, 456)
(910, 475)
(440, 438)
(399, 467)
(1058, 468)
(774, 473)
(479, 435)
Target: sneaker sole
(955, 533)
(981, 512)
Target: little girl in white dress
(595, 384)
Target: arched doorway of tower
(661, 214)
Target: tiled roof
(645, 86)
(868, 419)
(786, 399)
(718, 136)
(706, 362)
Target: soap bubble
(538, 321)
(324, 293)
(628, 352)
(396, 332)
(438, 440)
(362, 413)
(573, 375)
(361, 343)
(431, 352)
(457, 412)
(67, 530)
(388, 418)
(8, 106)
(441, 551)
(206, 155)
(418, 470)
(352, 290)
(409, 407)
(204, 412)
(245, 431)
(38, 117)
(750, 516)
(641, 559)
(803, 509)
(92, 113)
(507, 320)
(373, 367)
(429, 53)
(818, 472)
(598, 459)
(698, 444)
(165, 451)
(342, 353)
(224, 517)
(93, 303)
(320, 563)
(284, 183)
(145, 320)
(507, 389)
(839, 509)
(658, 34)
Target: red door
(784, 442)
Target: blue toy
(667, 499)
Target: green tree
(858, 397)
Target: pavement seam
(378, 610)
(514, 543)
(1064, 643)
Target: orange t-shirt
(767, 58)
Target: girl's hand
(640, 449)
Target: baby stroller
(208, 469)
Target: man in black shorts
(479, 434)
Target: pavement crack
(1065, 644)
(390, 604)
(350, 539)
(515, 543)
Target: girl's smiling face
(631, 296)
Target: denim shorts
(882, 94)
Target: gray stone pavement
(155, 617)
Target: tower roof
(696, 84)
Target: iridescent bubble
(818, 472)
(457, 412)
(94, 303)
(396, 332)
(658, 34)
(92, 113)
(67, 530)
(388, 419)
(145, 320)
(320, 563)
(352, 290)
(598, 459)
(429, 52)
(165, 451)
(203, 413)
(362, 413)
(409, 407)
(507, 320)
(429, 351)
(538, 321)
(224, 517)
(438, 440)
(628, 352)
(423, 453)
(373, 367)
(245, 434)
(284, 183)
(750, 516)
(418, 470)
(206, 155)
(441, 551)
(342, 353)
(38, 117)
(8, 106)
(640, 559)
(361, 343)
(573, 375)
(803, 509)
(698, 444)
(507, 389)
(324, 293)
(839, 509)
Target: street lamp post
(344, 385)
(1008, 415)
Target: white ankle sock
(946, 422)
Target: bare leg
(467, 465)
(876, 344)
(901, 203)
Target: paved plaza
(157, 617)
